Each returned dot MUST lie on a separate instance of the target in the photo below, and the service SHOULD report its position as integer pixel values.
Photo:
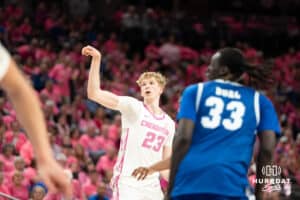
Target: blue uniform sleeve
(187, 106)
(268, 116)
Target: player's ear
(224, 70)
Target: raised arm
(94, 91)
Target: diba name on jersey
(232, 94)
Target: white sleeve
(169, 141)
(129, 106)
(4, 61)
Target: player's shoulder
(169, 118)
(192, 89)
(129, 99)
(264, 99)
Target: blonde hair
(161, 79)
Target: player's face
(150, 88)
(213, 68)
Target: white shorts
(129, 192)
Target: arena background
(175, 37)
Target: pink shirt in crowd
(89, 189)
(18, 141)
(105, 163)
(4, 189)
(20, 192)
(61, 74)
(26, 152)
(92, 143)
(8, 163)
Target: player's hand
(55, 177)
(90, 51)
(141, 173)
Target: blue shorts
(206, 197)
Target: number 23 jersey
(143, 138)
(227, 117)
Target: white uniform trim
(4, 61)
(256, 107)
(199, 95)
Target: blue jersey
(227, 117)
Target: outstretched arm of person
(94, 91)
(141, 173)
(29, 114)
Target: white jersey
(143, 138)
(4, 61)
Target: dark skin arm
(181, 144)
(265, 157)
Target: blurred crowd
(85, 136)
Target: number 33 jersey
(143, 139)
(227, 117)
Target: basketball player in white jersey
(31, 117)
(147, 131)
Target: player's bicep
(106, 99)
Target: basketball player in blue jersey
(218, 124)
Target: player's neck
(153, 106)
(231, 78)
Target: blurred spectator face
(19, 164)
(289, 134)
(108, 174)
(111, 151)
(2, 102)
(15, 126)
(68, 150)
(38, 193)
(75, 133)
(87, 115)
(1, 178)
(62, 120)
(90, 166)
(8, 150)
(61, 159)
(91, 130)
(101, 189)
(51, 138)
(66, 140)
(49, 85)
(94, 176)
(104, 130)
(79, 150)
(17, 178)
